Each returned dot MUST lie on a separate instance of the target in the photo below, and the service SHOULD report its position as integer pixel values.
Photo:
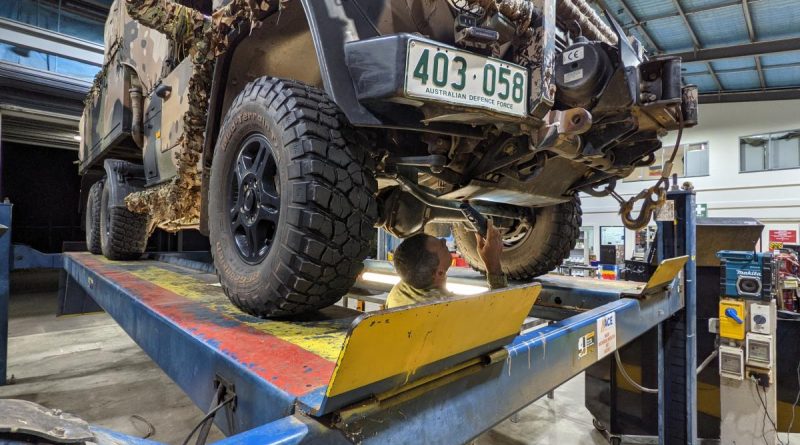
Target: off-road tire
(549, 241)
(327, 207)
(123, 234)
(92, 215)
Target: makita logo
(749, 273)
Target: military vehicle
(287, 131)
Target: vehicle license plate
(458, 77)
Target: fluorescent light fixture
(380, 278)
(466, 289)
(456, 288)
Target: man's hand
(490, 249)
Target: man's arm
(489, 250)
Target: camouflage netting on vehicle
(94, 90)
(177, 202)
(521, 12)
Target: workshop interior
(203, 205)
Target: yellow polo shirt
(403, 294)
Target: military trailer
(287, 131)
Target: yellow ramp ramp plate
(664, 274)
(395, 346)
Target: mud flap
(123, 178)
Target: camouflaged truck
(287, 130)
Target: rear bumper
(377, 66)
(378, 69)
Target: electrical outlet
(731, 362)
(228, 390)
(760, 318)
(760, 378)
(713, 325)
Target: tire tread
(332, 208)
(127, 237)
(563, 224)
(93, 204)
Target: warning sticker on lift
(585, 345)
(606, 335)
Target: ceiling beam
(694, 11)
(714, 76)
(751, 33)
(746, 49)
(750, 96)
(760, 71)
(748, 19)
(692, 34)
(744, 70)
(635, 19)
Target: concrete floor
(86, 365)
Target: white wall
(773, 197)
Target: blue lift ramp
(442, 372)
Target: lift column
(677, 355)
(5, 270)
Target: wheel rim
(517, 237)
(254, 199)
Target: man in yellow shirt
(422, 262)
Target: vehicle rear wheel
(291, 200)
(123, 234)
(531, 250)
(92, 215)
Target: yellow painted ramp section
(398, 342)
(665, 273)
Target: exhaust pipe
(455, 206)
(137, 127)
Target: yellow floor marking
(321, 338)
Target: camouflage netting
(177, 202)
(113, 54)
(521, 13)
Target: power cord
(766, 413)
(629, 379)
(207, 418)
(150, 428)
(794, 406)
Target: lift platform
(441, 372)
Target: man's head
(422, 261)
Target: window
(48, 62)
(691, 160)
(82, 19)
(76, 18)
(773, 151)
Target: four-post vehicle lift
(441, 372)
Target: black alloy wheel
(254, 199)
(291, 200)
